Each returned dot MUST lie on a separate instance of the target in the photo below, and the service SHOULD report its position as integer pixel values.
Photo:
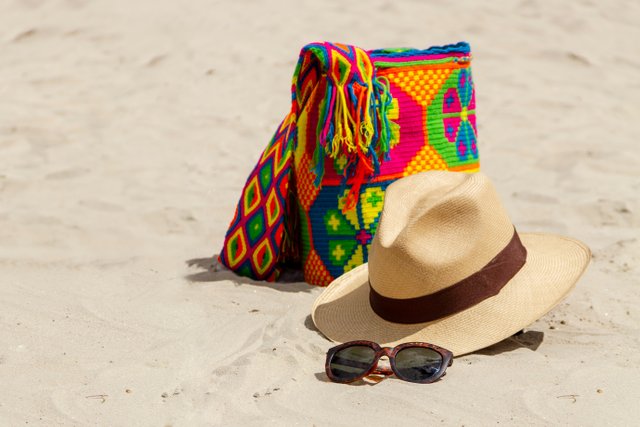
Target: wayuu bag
(359, 120)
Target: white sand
(127, 129)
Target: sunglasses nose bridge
(384, 368)
(386, 351)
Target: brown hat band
(458, 297)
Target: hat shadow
(523, 339)
(212, 271)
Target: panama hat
(448, 267)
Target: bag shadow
(212, 271)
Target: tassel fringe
(353, 124)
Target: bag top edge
(389, 53)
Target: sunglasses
(417, 362)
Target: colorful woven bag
(359, 120)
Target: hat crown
(436, 229)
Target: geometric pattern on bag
(254, 241)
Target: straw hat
(447, 267)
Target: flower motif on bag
(350, 233)
(459, 116)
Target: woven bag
(359, 120)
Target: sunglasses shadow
(371, 380)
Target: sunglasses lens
(351, 362)
(417, 363)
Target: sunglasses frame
(390, 352)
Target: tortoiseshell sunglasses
(417, 362)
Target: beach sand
(127, 130)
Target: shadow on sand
(528, 339)
(213, 271)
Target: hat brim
(554, 265)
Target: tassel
(388, 129)
(363, 169)
(343, 123)
(352, 116)
(318, 162)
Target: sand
(127, 130)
